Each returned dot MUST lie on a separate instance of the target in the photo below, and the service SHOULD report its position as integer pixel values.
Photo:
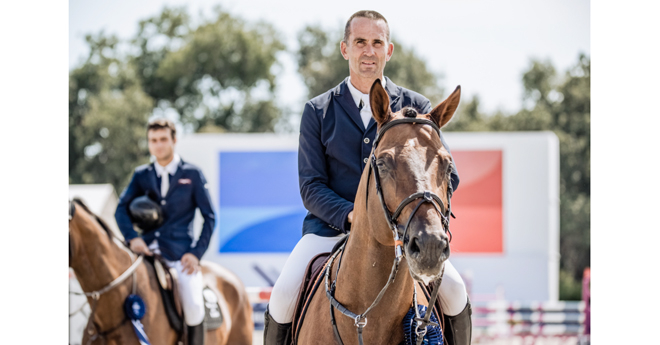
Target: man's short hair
(373, 15)
(160, 124)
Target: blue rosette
(433, 333)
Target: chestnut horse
(103, 264)
(402, 202)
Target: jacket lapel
(153, 180)
(344, 98)
(174, 180)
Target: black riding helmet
(145, 213)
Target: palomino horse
(402, 201)
(103, 264)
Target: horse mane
(103, 224)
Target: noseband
(425, 197)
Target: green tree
(215, 74)
(322, 66)
(560, 104)
(107, 115)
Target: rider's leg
(456, 307)
(283, 296)
(192, 301)
(286, 289)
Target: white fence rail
(491, 320)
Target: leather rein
(96, 295)
(360, 320)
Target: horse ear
(442, 113)
(379, 101)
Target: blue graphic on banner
(260, 205)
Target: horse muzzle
(426, 252)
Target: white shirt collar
(170, 168)
(358, 95)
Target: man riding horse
(180, 188)
(337, 132)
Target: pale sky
(482, 45)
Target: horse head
(412, 168)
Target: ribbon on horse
(433, 334)
(135, 309)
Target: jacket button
(366, 160)
(157, 233)
(163, 202)
(366, 140)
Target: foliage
(215, 76)
(561, 105)
(107, 115)
(322, 66)
(569, 288)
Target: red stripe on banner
(477, 203)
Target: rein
(425, 197)
(96, 295)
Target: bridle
(399, 239)
(96, 295)
(425, 196)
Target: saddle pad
(213, 317)
(163, 274)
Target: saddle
(167, 284)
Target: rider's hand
(138, 246)
(350, 217)
(190, 263)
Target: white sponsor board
(512, 255)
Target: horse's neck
(365, 269)
(102, 262)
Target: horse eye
(382, 164)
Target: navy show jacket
(188, 191)
(334, 147)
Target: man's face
(367, 49)
(161, 143)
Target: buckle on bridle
(360, 321)
(421, 332)
(427, 196)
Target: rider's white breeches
(453, 295)
(190, 290)
(286, 289)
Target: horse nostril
(414, 248)
(445, 249)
